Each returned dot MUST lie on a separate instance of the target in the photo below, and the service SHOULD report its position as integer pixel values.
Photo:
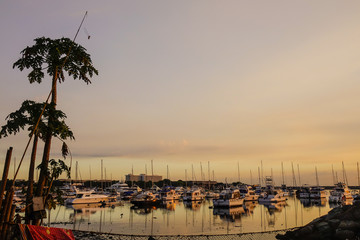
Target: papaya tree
(27, 116)
(56, 57)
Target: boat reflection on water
(249, 207)
(342, 203)
(86, 210)
(142, 210)
(307, 202)
(275, 207)
(193, 205)
(167, 205)
(230, 214)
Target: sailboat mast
(299, 174)
(293, 173)
(259, 176)
(101, 173)
(90, 176)
(344, 174)
(358, 173)
(152, 174)
(262, 174)
(251, 181)
(132, 175)
(238, 173)
(186, 178)
(282, 172)
(317, 177)
(209, 173)
(76, 171)
(333, 174)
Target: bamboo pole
(9, 219)
(5, 176)
(7, 210)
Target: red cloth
(47, 233)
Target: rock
(305, 230)
(344, 234)
(349, 225)
(334, 223)
(334, 213)
(356, 213)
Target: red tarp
(47, 233)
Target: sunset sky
(190, 82)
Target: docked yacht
(340, 193)
(229, 198)
(146, 199)
(271, 195)
(87, 197)
(303, 192)
(194, 194)
(317, 192)
(168, 194)
(248, 193)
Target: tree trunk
(30, 189)
(46, 154)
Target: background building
(142, 177)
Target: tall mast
(76, 171)
(201, 171)
(251, 181)
(259, 176)
(167, 171)
(152, 174)
(358, 173)
(186, 178)
(333, 174)
(317, 177)
(293, 173)
(105, 179)
(132, 175)
(299, 174)
(102, 174)
(90, 176)
(262, 174)
(282, 172)
(209, 173)
(344, 174)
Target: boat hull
(228, 202)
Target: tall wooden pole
(5, 176)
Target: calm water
(189, 218)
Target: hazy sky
(190, 82)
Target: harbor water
(188, 218)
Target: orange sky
(199, 81)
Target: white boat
(86, 197)
(248, 193)
(271, 195)
(119, 187)
(317, 192)
(168, 195)
(146, 199)
(211, 194)
(340, 193)
(193, 195)
(229, 198)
